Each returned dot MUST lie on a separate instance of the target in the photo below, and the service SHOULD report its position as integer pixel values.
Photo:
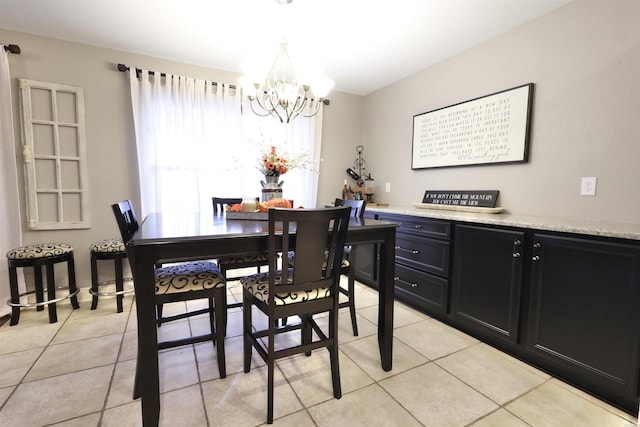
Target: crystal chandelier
(280, 94)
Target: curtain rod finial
(122, 67)
(12, 48)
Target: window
(54, 155)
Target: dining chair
(235, 262)
(348, 263)
(181, 282)
(302, 290)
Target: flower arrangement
(273, 164)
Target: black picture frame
(492, 129)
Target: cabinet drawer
(423, 254)
(421, 289)
(420, 226)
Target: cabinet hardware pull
(517, 242)
(396, 278)
(414, 252)
(536, 245)
(414, 285)
(417, 226)
(536, 258)
(516, 254)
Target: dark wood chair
(348, 262)
(302, 290)
(181, 282)
(236, 262)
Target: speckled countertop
(593, 228)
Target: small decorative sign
(476, 198)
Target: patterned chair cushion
(240, 260)
(108, 246)
(187, 277)
(292, 261)
(258, 286)
(40, 250)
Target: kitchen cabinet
(422, 262)
(584, 322)
(487, 281)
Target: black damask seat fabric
(111, 249)
(37, 256)
(308, 288)
(182, 282)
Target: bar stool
(108, 249)
(37, 256)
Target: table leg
(386, 298)
(147, 384)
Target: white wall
(584, 60)
(112, 165)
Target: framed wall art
(487, 130)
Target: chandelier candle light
(280, 94)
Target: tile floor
(79, 372)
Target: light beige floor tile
(234, 355)
(433, 339)
(174, 330)
(14, 366)
(121, 390)
(475, 364)
(5, 393)
(89, 353)
(436, 397)
(129, 348)
(106, 304)
(310, 376)
(402, 315)
(500, 418)
(91, 327)
(177, 368)
(369, 406)
(561, 408)
(86, 421)
(596, 401)
(366, 354)
(58, 398)
(129, 415)
(241, 399)
(345, 329)
(182, 407)
(14, 339)
(298, 419)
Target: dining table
(163, 238)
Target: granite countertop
(593, 228)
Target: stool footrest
(38, 304)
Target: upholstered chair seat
(111, 249)
(192, 276)
(258, 286)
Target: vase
(271, 187)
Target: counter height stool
(108, 249)
(37, 256)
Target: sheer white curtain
(10, 228)
(193, 142)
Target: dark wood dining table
(161, 238)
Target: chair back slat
(126, 219)
(310, 234)
(357, 206)
(220, 202)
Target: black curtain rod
(12, 48)
(123, 68)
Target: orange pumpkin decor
(279, 203)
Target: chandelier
(280, 94)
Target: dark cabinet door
(487, 281)
(583, 317)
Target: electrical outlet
(588, 186)
(387, 187)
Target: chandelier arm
(315, 109)
(257, 113)
(272, 110)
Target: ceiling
(362, 45)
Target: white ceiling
(362, 45)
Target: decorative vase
(271, 188)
